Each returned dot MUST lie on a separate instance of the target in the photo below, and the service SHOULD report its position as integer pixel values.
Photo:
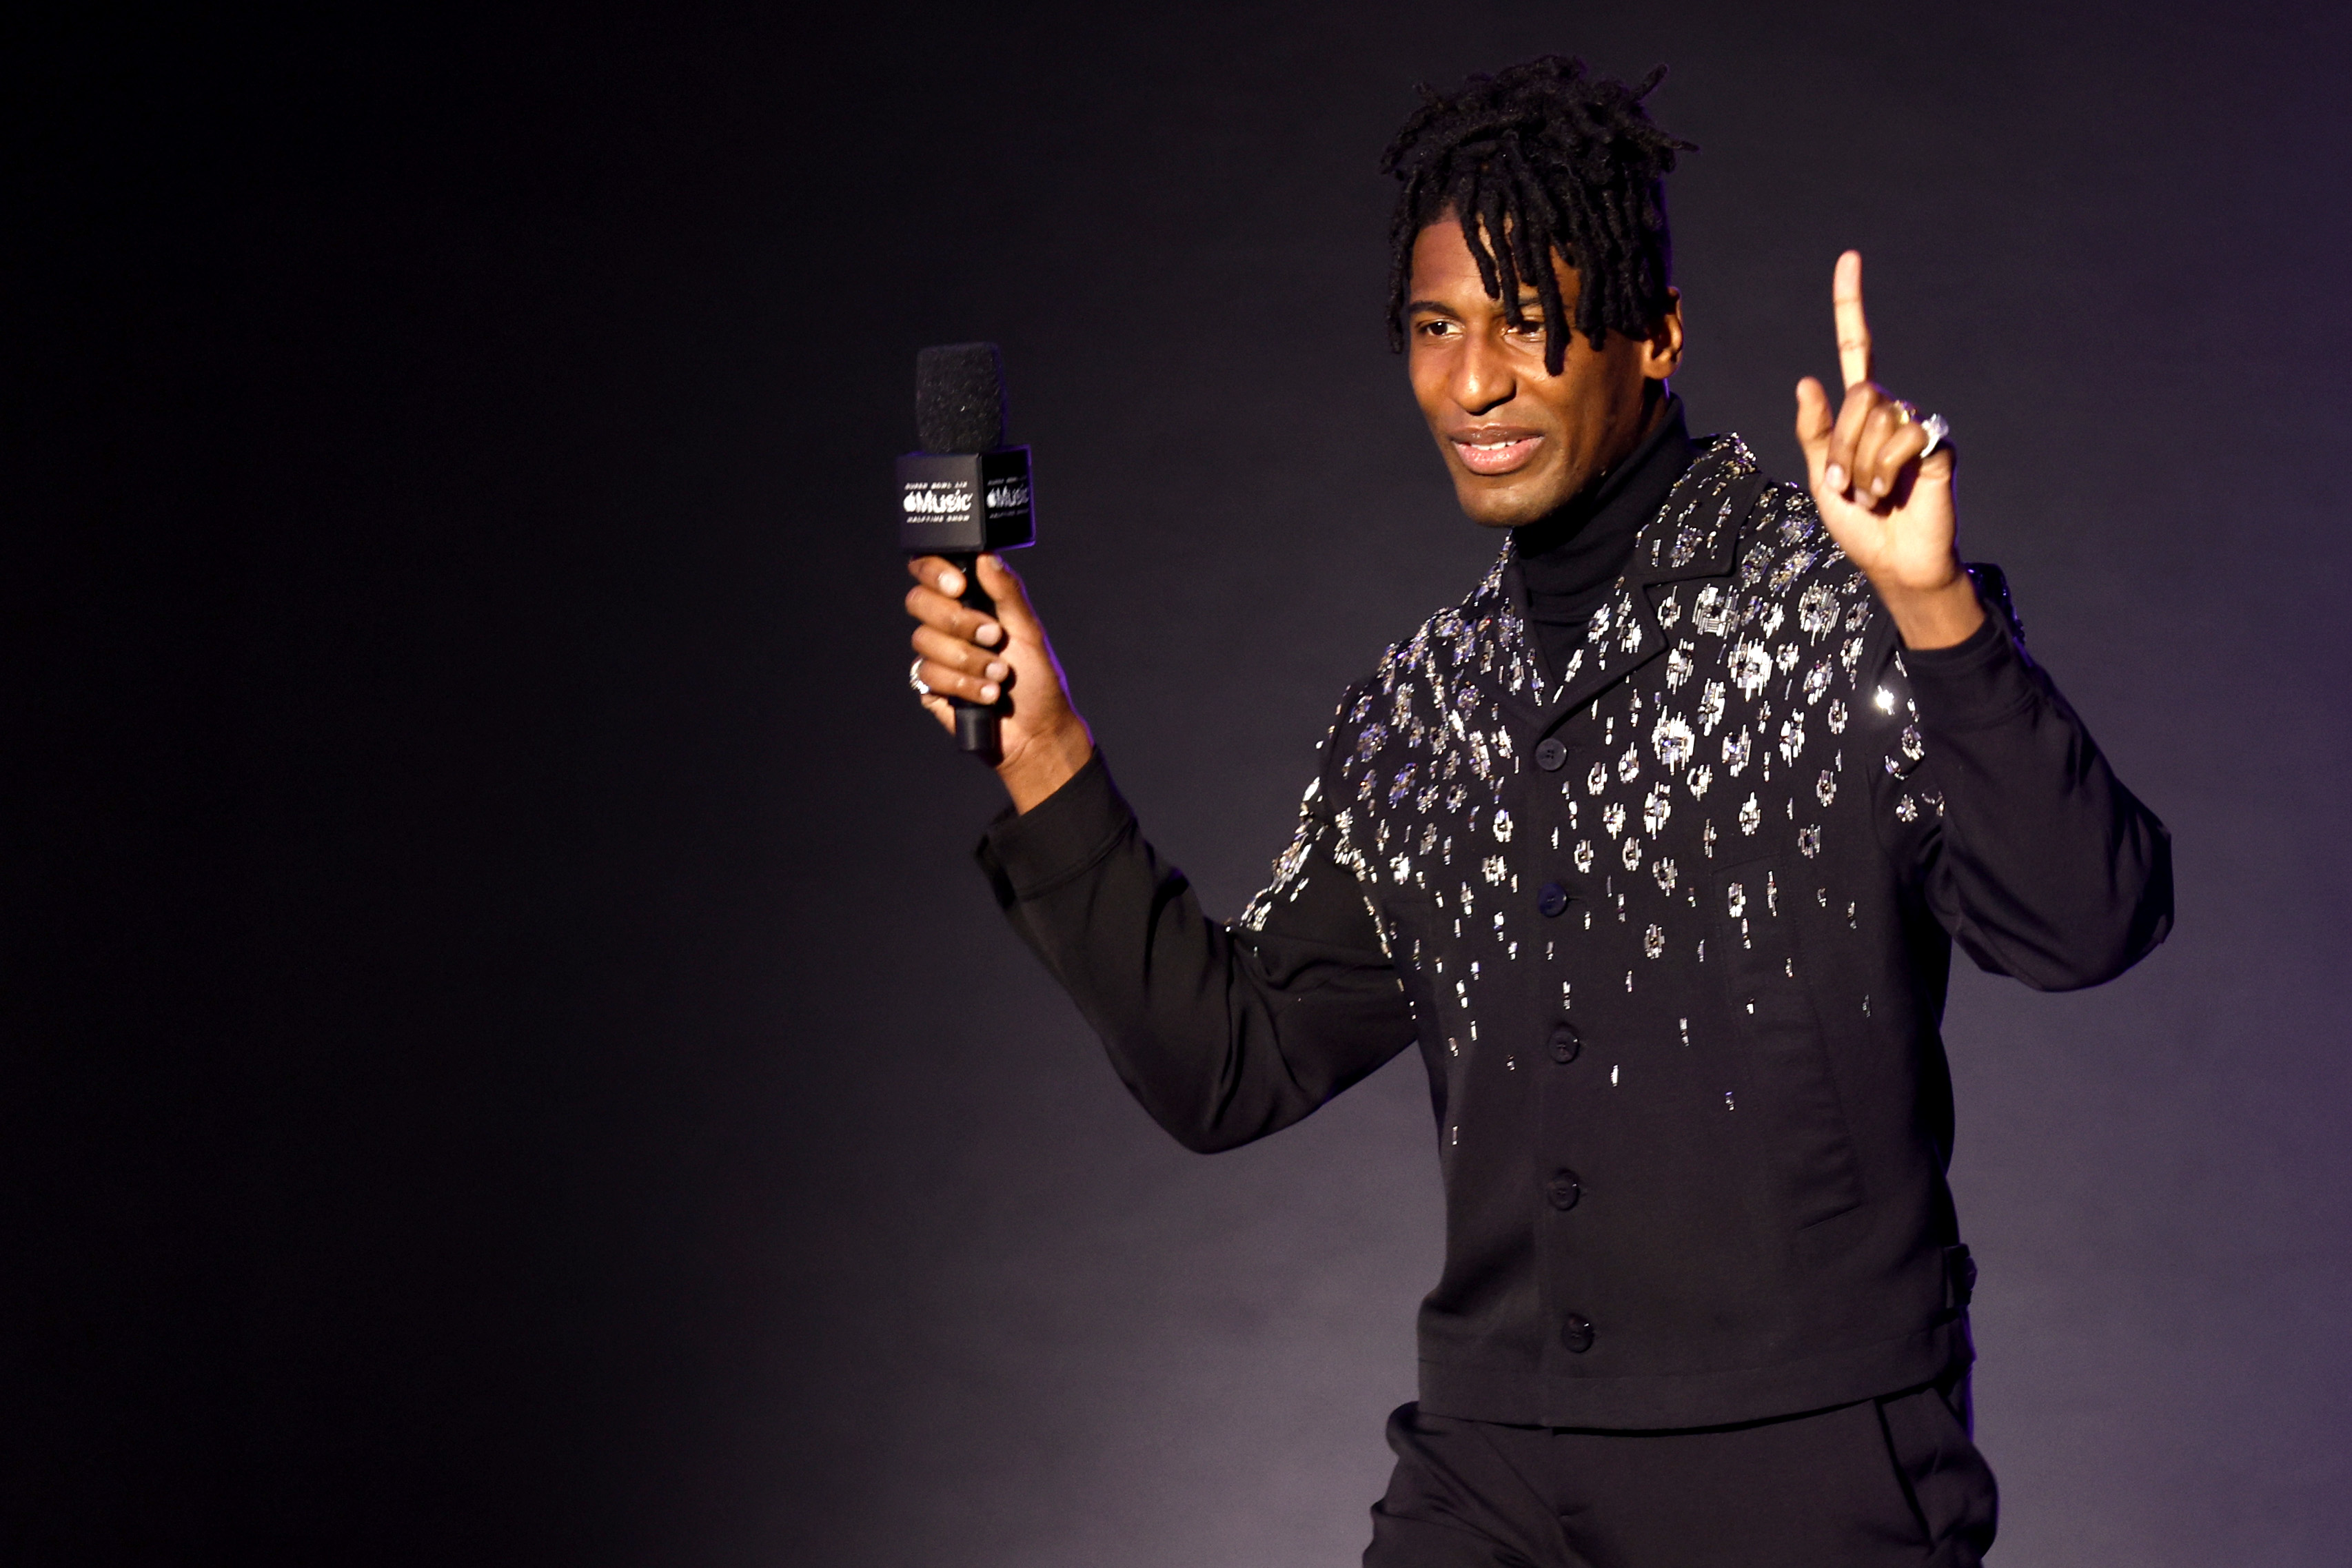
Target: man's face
(1518, 441)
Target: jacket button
(1563, 1189)
(1577, 1332)
(1550, 755)
(1552, 899)
(1565, 1044)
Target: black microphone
(966, 494)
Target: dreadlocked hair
(1535, 159)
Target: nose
(1481, 377)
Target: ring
(1939, 431)
(1909, 411)
(915, 677)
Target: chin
(1500, 509)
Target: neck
(1626, 493)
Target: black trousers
(1891, 1480)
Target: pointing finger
(1852, 330)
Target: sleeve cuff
(1974, 683)
(1026, 853)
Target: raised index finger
(1853, 331)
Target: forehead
(1444, 272)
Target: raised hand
(963, 652)
(1889, 508)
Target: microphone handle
(977, 733)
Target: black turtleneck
(1570, 560)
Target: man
(1656, 846)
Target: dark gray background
(506, 1058)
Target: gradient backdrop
(506, 1057)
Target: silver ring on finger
(915, 681)
(1938, 430)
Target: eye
(1434, 326)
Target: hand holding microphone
(1000, 659)
(982, 664)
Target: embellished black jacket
(1671, 927)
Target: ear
(1661, 350)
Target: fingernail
(1878, 486)
(951, 582)
(997, 672)
(989, 635)
(988, 693)
(1834, 478)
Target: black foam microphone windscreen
(960, 397)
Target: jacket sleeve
(1225, 1033)
(2030, 850)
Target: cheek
(1427, 378)
(1584, 401)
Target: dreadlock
(1532, 160)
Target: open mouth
(1492, 454)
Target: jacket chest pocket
(1793, 1085)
